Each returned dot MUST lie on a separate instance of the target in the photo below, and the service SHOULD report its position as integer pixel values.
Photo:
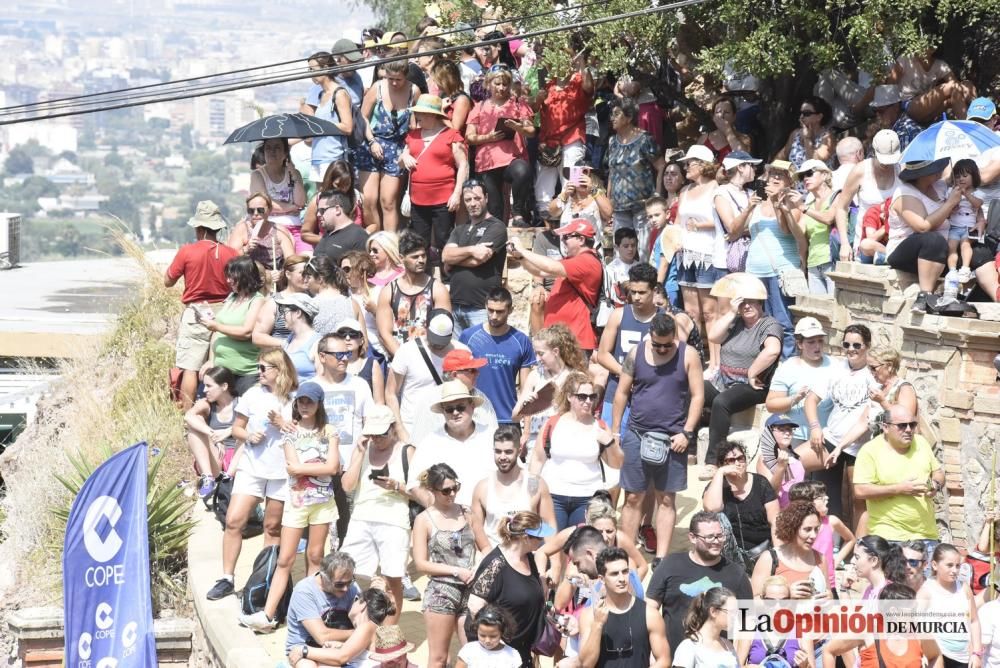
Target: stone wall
(950, 363)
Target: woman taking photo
(508, 578)
(331, 294)
(704, 625)
(732, 209)
(339, 177)
(283, 184)
(583, 198)
(816, 220)
(635, 167)
(271, 330)
(724, 139)
(438, 163)
(696, 217)
(386, 108)
(258, 238)
(311, 459)
(804, 568)
(210, 428)
(574, 445)
(498, 128)
(232, 327)
(455, 102)
(444, 549)
(813, 139)
(944, 592)
(746, 500)
(261, 474)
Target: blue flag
(107, 605)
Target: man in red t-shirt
(202, 265)
(578, 279)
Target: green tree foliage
(393, 15)
(18, 162)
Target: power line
(125, 93)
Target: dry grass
(111, 396)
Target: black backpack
(254, 594)
(220, 506)
(357, 136)
(601, 295)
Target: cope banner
(106, 598)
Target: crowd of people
(348, 361)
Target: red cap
(458, 360)
(577, 226)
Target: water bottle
(965, 573)
(951, 285)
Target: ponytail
(701, 607)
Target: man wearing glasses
(683, 575)
(335, 214)
(618, 630)
(317, 612)
(897, 476)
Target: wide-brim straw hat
(741, 285)
(429, 104)
(455, 390)
(390, 643)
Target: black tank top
(625, 639)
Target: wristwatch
(305, 651)
(689, 435)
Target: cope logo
(83, 645)
(102, 549)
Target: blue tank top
(660, 394)
(304, 365)
(630, 333)
(771, 250)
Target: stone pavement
(239, 647)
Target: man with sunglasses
(619, 630)
(683, 575)
(662, 381)
(897, 476)
(326, 596)
(335, 213)
(578, 275)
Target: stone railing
(950, 363)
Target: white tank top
(899, 230)
(869, 194)
(280, 192)
(915, 80)
(700, 209)
(498, 509)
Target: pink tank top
(824, 545)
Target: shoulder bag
(654, 447)
(792, 281)
(736, 253)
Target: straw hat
(740, 285)
(428, 104)
(455, 390)
(390, 643)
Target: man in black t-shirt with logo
(682, 576)
(474, 258)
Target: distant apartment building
(216, 116)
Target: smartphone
(576, 175)
(379, 473)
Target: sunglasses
(580, 396)
(347, 336)
(449, 491)
(806, 174)
(915, 563)
(904, 426)
(499, 67)
(852, 346)
(455, 540)
(340, 355)
(455, 408)
(734, 460)
(258, 210)
(875, 367)
(264, 367)
(342, 584)
(807, 113)
(574, 236)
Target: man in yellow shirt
(897, 475)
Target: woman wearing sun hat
(438, 162)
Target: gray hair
(848, 146)
(333, 562)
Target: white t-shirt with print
(346, 403)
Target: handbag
(791, 281)
(550, 156)
(736, 255)
(549, 639)
(654, 447)
(749, 556)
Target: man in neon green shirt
(897, 475)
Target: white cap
(809, 327)
(813, 165)
(885, 145)
(698, 152)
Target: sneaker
(206, 485)
(258, 622)
(223, 588)
(964, 275)
(920, 303)
(654, 563)
(647, 538)
(410, 593)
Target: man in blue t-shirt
(508, 351)
(326, 596)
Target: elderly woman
(386, 110)
(724, 139)
(918, 225)
(335, 107)
(635, 168)
(437, 159)
(498, 128)
(813, 139)
(258, 237)
(775, 238)
(508, 577)
(750, 344)
(282, 182)
(803, 567)
(575, 448)
(815, 221)
(582, 197)
(696, 217)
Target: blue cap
(312, 391)
(982, 108)
(543, 530)
(780, 420)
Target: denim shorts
(879, 258)
(699, 275)
(958, 233)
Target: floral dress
(630, 168)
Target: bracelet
(814, 425)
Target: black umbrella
(288, 126)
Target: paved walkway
(219, 618)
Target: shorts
(312, 515)
(696, 275)
(444, 598)
(957, 233)
(879, 258)
(193, 340)
(248, 484)
(636, 475)
(377, 546)
(391, 150)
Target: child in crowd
(491, 626)
(966, 216)
(815, 491)
(664, 248)
(615, 291)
